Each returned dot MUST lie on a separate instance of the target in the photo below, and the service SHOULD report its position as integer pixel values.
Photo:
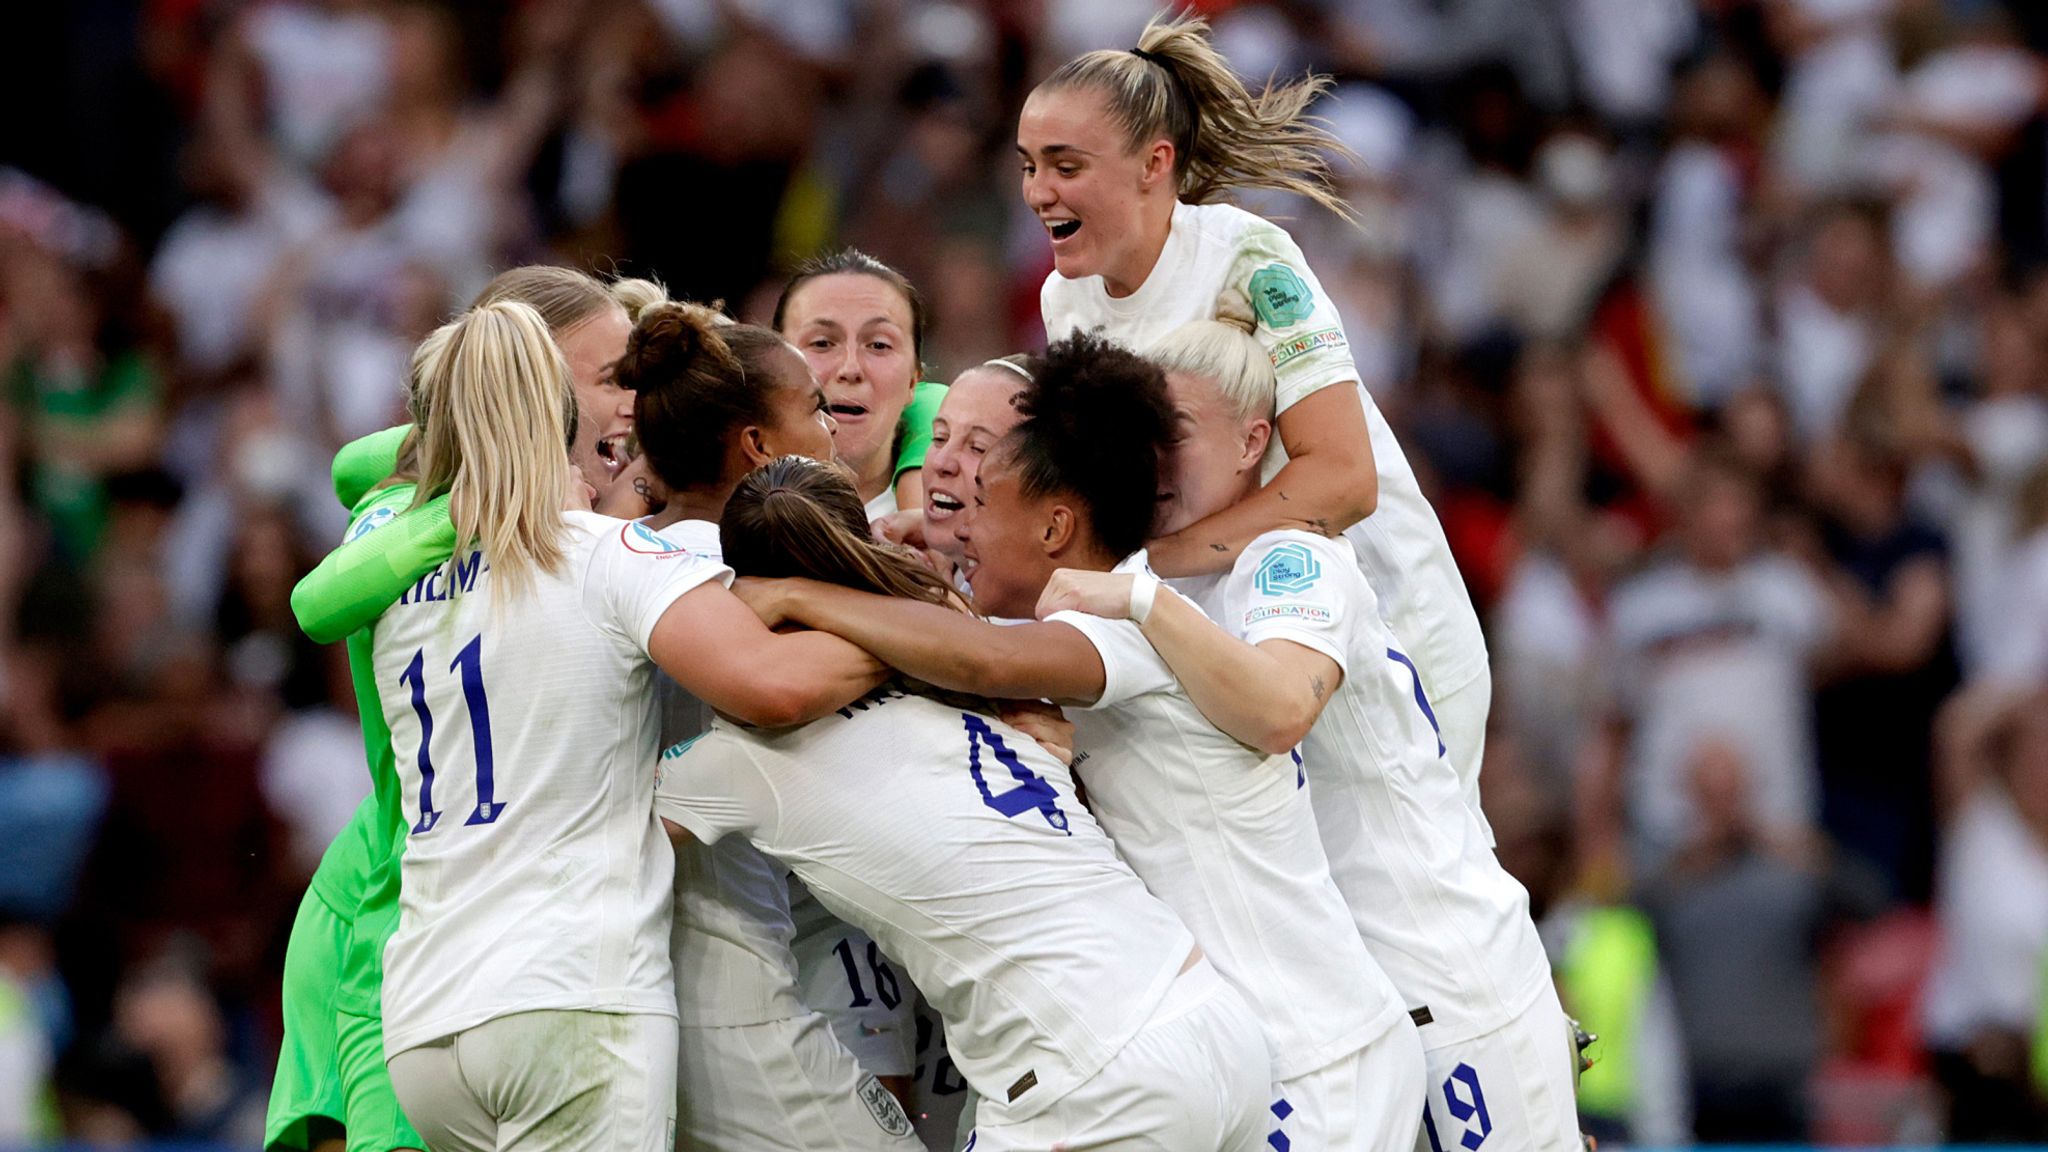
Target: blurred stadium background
(1718, 329)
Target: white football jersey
(1439, 913)
(956, 842)
(526, 733)
(1221, 260)
(1224, 835)
(731, 937)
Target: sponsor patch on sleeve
(1292, 610)
(646, 541)
(1289, 569)
(1295, 347)
(372, 520)
(1280, 296)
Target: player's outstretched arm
(713, 645)
(365, 462)
(359, 580)
(941, 646)
(1328, 484)
(1267, 696)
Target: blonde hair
(1226, 355)
(493, 418)
(1176, 84)
(636, 295)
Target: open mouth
(940, 506)
(615, 452)
(1062, 229)
(847, 411)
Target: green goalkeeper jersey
(365, 877)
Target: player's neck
(692, 504)
(1136, 267)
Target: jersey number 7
(469, 663)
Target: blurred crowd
(1718, 330)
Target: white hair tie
(1012, 365)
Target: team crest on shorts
(883, 1107)
(1288, 569)
(640, 538)
(1279, 296)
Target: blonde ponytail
(494, 415)
(1176, 85)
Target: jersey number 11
(469, 663)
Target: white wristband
(1144, 589)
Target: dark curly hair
(696, 376)
(1097, 423)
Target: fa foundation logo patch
(646, 541)
(883, 1107)
(1279, 296)
(1287, 570)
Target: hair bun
(669, 340)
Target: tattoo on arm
(1316, 685)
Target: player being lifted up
(1125, 157)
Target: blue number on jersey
(1031, 791)
(469, 663)
(1421, 697)
(1461, 1110)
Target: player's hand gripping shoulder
(1105, 594)
(1267, 696)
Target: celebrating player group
(774, 752)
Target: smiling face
(1105, 204)
(979, 410)
(1213, 460)
(604, 410)
(1004, 541)
(855, 332)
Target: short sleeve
(1299, 588)
(711, 786)
(642, 573)
(1297, 323)
(1130, 667)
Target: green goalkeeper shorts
(306, 1103)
